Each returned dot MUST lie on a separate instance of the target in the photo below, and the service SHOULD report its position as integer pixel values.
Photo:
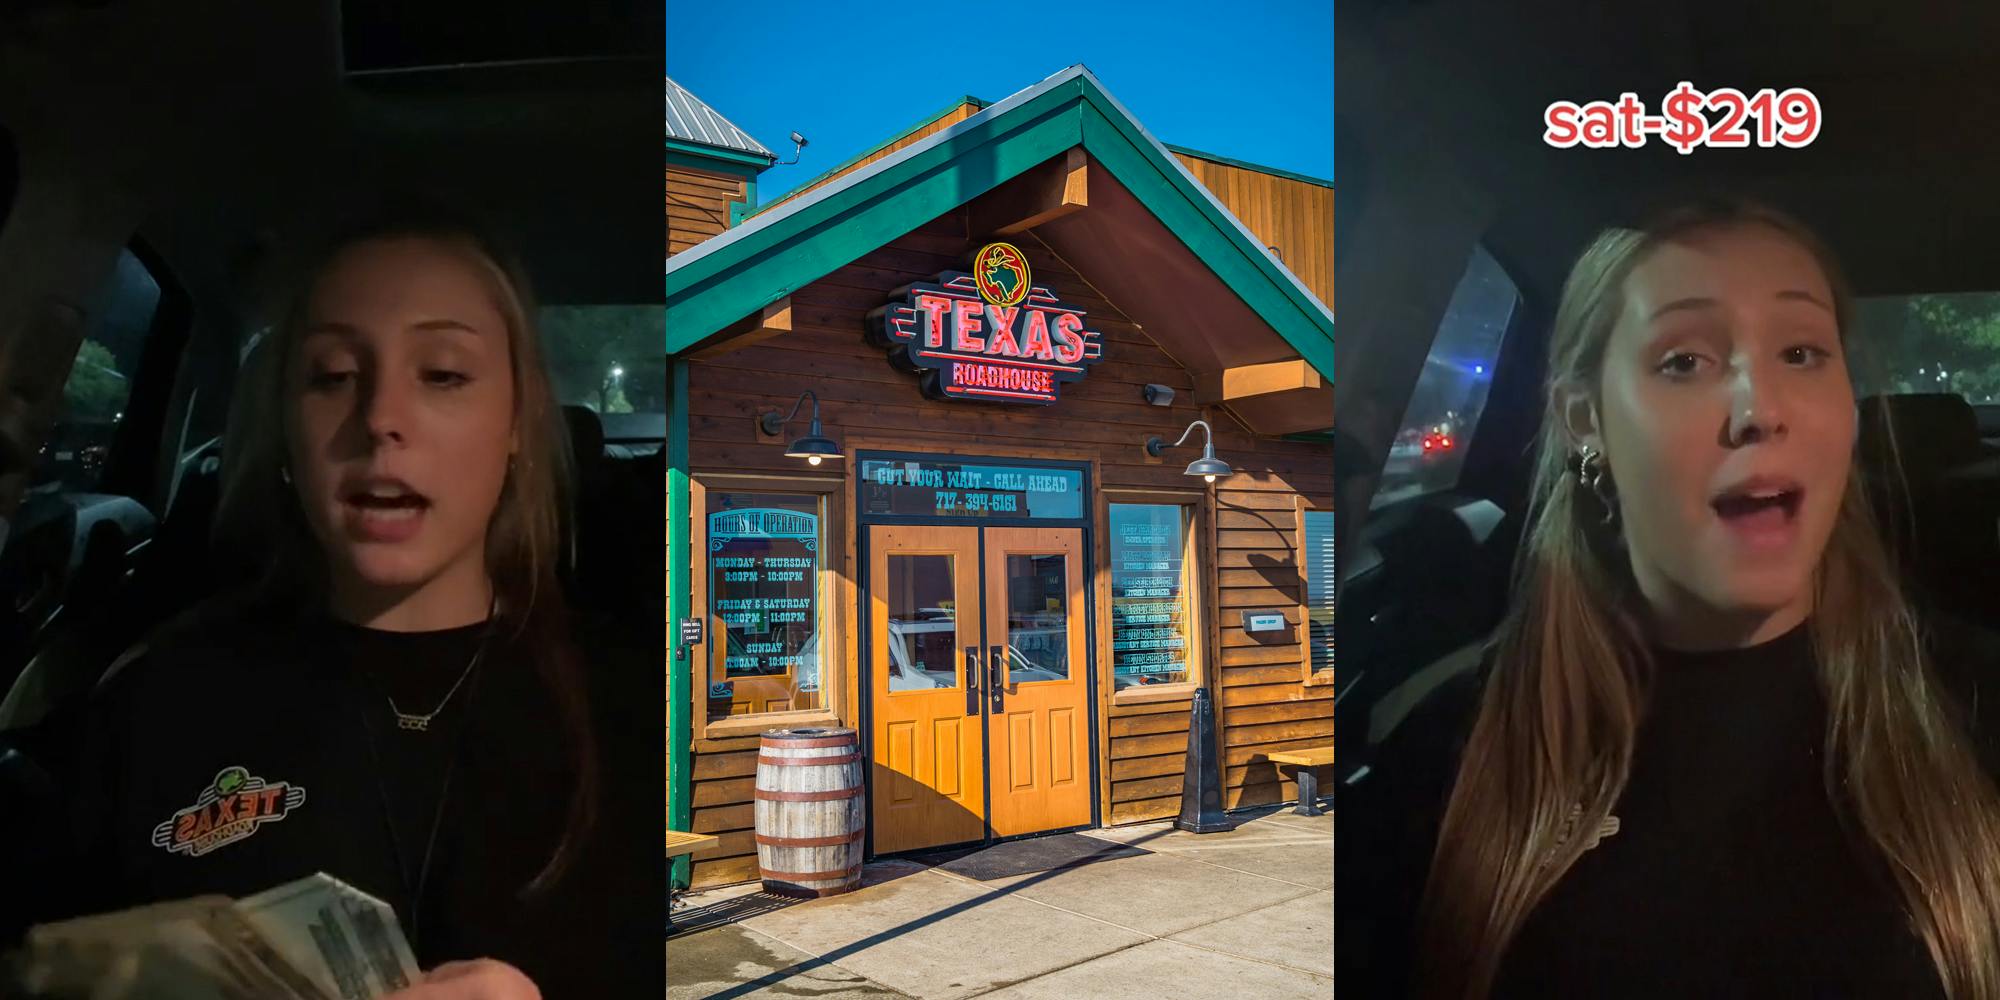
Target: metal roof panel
(690, 119)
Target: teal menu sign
(969, 490)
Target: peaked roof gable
(771, 255)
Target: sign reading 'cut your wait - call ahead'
(990, 334)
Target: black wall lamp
(815, 446)
(1207, 466)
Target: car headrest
(1933, 431)
(586, 438)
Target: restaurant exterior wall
(1288, 213)
(698, 204)
(1245, 529)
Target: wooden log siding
(1292, 215)
(698, 206)
(959, 113)
(1263, 703)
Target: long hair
(1551, 746)
(259, 514)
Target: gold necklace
(421, 723)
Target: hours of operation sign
(1148, 626)
(762, 574)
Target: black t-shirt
(1732, 872)
(422, 674)
(259, 753)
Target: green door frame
(680, 605)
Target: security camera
(1159, 395)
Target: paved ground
(1247, 913)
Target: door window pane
(1037, 618)
(923, 623)
(1149, 606)
(763, 585)
(1319, 588)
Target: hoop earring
(1590, 475)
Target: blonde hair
(1551, 746)
(259, 512)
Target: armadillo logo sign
(990, 334)
(231, 808)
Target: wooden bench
(679, 843)
(1306, 764)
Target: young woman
(1709, 754)
(396, 700)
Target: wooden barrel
(809, 811)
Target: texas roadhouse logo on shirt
(231, 808)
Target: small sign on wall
(1264, 621)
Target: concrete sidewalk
(1246, 913)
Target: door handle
(972, 680)
(996, 659)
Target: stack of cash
(315, 939)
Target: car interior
(1459, 226)
(159, 161)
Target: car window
(10, 175)
(1928, 343)
(120, 315)
(1437, 427)
(607, 357)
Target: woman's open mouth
(383, 510)
(1761, 512)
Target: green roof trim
(711, 165)
(774, 254)
(880, 146)
(697, 149)
(1247, 165)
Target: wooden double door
(979, 684)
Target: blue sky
(1256, 85)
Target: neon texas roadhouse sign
(991, 334)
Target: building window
(766, 601)
(1152, 620)
(1316, 566)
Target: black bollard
(1201, 784)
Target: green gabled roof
(872, 150)
(774, 254)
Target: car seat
(1936, 489)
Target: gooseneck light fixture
(815, 446)
(1207, 466)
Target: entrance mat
(688, 918)
(1022, 857)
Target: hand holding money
(484, 979)
(314, 939)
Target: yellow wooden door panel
(924, 617)
(1035, 623)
